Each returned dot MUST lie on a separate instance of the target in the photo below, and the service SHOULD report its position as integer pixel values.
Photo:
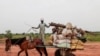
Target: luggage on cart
(77, 44)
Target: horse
(25, 45)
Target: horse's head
(7, 44)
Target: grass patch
(89, 37)
(93, 38)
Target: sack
(83, 39)
(77, 44)
(64, 45)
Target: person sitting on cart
(79, 34)
(55, 32)
(53, 36)
(64, 39)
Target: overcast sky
(16, 14)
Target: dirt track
(91, 49)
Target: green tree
(8, 34)
(32, 33)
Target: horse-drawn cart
(63, 49)
(69, 43)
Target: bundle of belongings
(67, 36)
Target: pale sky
(15, 14)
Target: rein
(24, 37)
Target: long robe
(42, 26)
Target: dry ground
(91, 49)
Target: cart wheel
(57, 52)
(69, 53)
(60, 52)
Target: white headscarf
(69, 25)
(42, 19)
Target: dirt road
(91, 49)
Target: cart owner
(42, 26)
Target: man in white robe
(42, 26)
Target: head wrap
(69, 25)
